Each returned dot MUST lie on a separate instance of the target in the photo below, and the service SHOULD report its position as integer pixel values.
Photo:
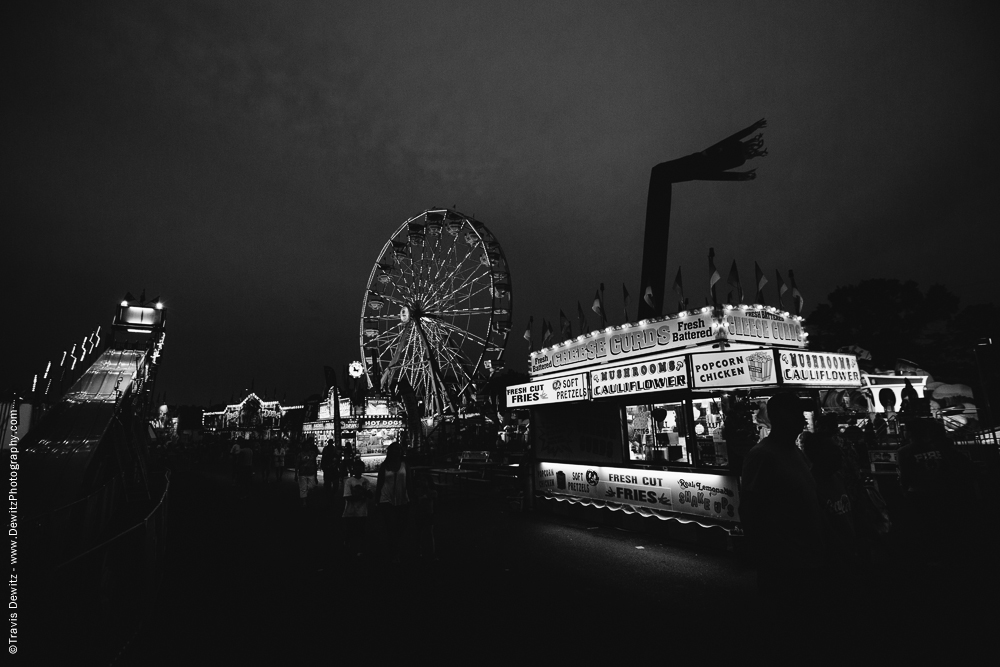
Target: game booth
(654, 418)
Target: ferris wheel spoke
(459, 265)
(472, 278)
(485, 310)
(387, 297)
(466, 333)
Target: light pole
(987, 343)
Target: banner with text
(743, 368)
(819, 368)
(764, 326)
(658, 336)
(558, 390)
(712, 496)
(639, 377)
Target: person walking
(330, 462)
(234, 458)
(393, 498)
(306, 470)
(265, 460)
(245, 463)
(357, 492)
(280, 451)
(425, 496)
(781, 514)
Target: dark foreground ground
(261, 580)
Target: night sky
(246, 161)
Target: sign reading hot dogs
(557, 390)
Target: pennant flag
(782, 288)
(583, 319)
(527, 332)
(734, 281)
(761, 281)
(797, 299)
(546, 331)
(625, 301)
(648, 296)
(679, 288)
(598, 306)
(713, 275)
(129, 297)
(565, 329)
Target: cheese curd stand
(633, 418)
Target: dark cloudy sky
(246, 161)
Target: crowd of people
(398, 498)
(816, 519)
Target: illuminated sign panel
(710, 496)
(824, 369)
(557, 390)
(753, 325)
(742, 368)
(635, 340)
(641, 376)
(135, 315)
(763, 326)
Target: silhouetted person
(280, 451)
(836, 502)
(330, 463)
(393, 498)
(357, 492)
(781, 514)
(306, 470)
(245, 463)
(265, 459)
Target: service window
(657, 433)
(708, 431)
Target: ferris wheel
(437, 309)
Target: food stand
(367, 428)
(633, 418)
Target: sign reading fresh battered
(558, 390)
(639, 377)
(713, 496)
(819, 368)
(656, 336)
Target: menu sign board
(631, 341)
(557, 390)
(819, 368)
(741, 368)
(712, 496)
(639, 377)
